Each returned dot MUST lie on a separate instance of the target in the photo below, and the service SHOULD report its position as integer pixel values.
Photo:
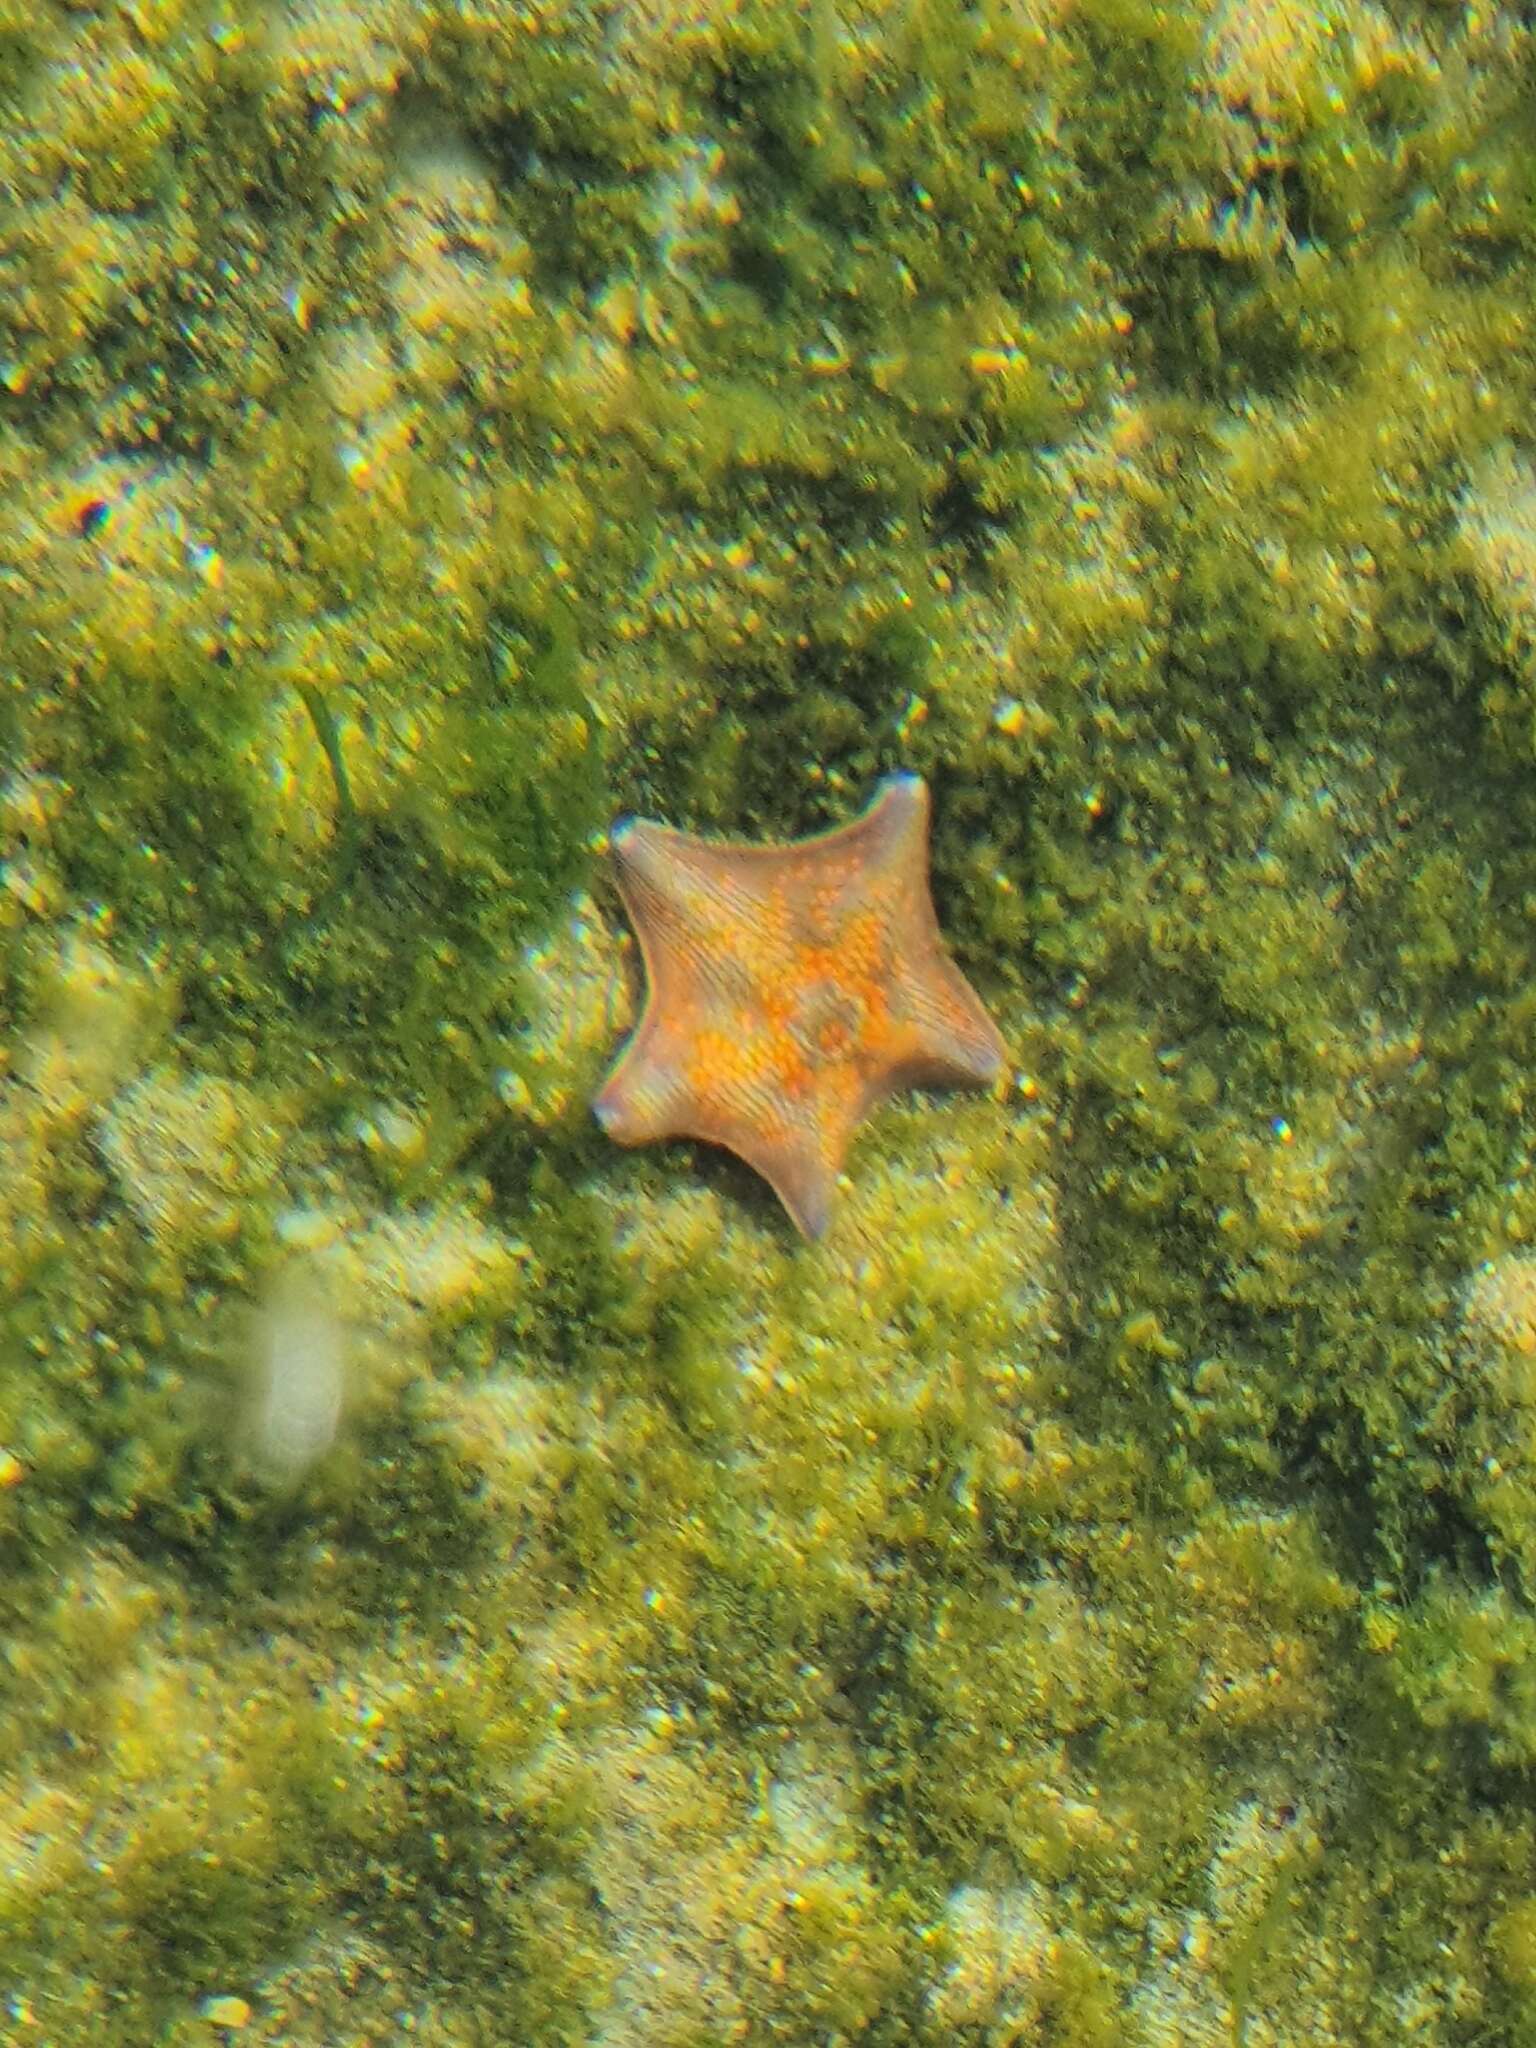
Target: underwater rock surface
(463, 1581)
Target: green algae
(464, 1580)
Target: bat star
(790, 988)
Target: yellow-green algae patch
(464, 1583)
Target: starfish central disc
(790, 989)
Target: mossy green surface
(465, 1583)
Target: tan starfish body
(789, 990)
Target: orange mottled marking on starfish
(789, 989)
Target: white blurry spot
(391, 1130)
(298, 1370)
(304, 1229)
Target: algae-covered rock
(1495, 1443)
(464, 1582)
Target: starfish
(789, 990)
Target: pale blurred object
(298, 1368)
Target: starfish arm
(897, 820)
(647, 1097)
(945, 1037)
(806, 1186)
(800, 1162)
(690, 902)
(638, 1103)
(953, 1042)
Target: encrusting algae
(463, 1582)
